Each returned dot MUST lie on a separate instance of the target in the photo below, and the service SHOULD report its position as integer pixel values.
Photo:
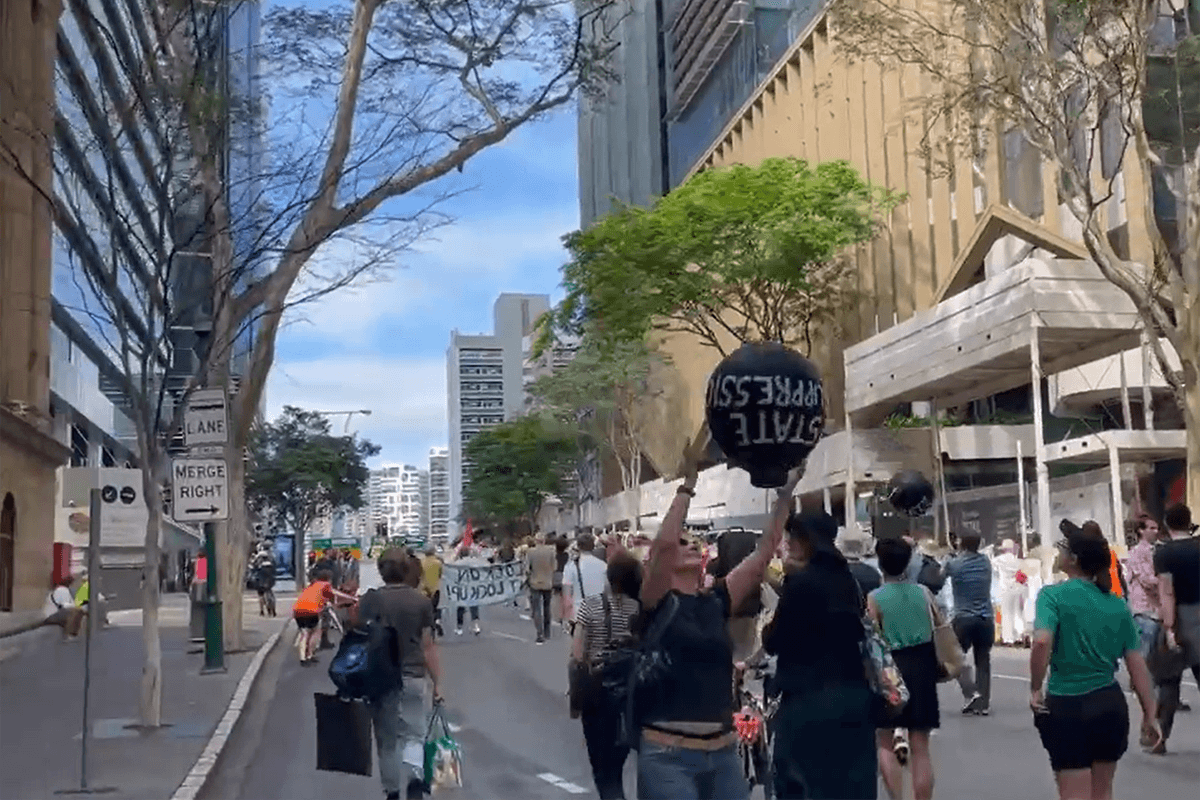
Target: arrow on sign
(203, 510)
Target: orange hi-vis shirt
(313, 598)
(1114, 574)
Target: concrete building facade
(399, 501)
(485, 381)
(29, 453)
(439, 494)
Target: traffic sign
(206, 419)
(123, 514)
(199, 490)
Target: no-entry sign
(199, 489)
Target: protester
(1177, 564)
(1115, 576)
(906, 615)
(468, 557)
(970, 575)
(1143, 584)
(307, 612)
(60, 609)
(539, 574)
(561, 557)
(400, 716)
(1080, 712)
(1005, 566)
(824, 732)
(733, 547)
(431, 585)
(855, 547)
(349, 572)
(584, 577)
(603, 620)
(688, 744)
(263, 567)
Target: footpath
(41, 706)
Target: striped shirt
(971, 579)
(595, 628)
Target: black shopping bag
(343, 735)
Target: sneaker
(972, 705)
(392, 796)
(1184, 706)
(982, 711)
(458, 631)
(477, 629)
(1159, 749)
(539, 640)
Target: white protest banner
(484, 585)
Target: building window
(106, 458)
(79, 447)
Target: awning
(1142, 446)
(878, 454)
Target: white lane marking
(526, 617)
(565, 785)
(512, 636)
(1026, 680)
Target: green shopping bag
(443, 756)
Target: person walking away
(307, 612)
(970, 575)
(1006, 565)
(734, 547)
(688, 747)
(1177, 564)
(1115, 576)
(468, 557)
(431, 586)
(906, 615)
(583, 578)
(60, 609)
(539, 573)
(561, 557)
(824, 730)
(604, 620)
(264, 581)
(401, 716)
(1080, 713)
(854, 547)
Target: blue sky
(383, 347)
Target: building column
(1114, 467)
(1045, 527)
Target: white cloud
(406, 396)
(499, 244)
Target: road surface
(506, 697)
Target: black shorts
(1086, 729)
(307, 621)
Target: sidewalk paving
(41, 707)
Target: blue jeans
(400, 719)
(675, 773)
(1148, 631)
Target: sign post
(200, 493)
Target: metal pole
(214, 643)
(1021, 500)
(1039, 432)
(1114, 466)
(93, 560)
(850, 510)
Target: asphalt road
(505, 696)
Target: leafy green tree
(514, 466)
(299, 472)
(599, 394)
(738, 253)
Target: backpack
(368, 663)
(931, 575)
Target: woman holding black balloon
(688, 744)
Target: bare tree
(1090, 85)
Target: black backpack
(369, 661)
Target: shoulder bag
(369, 662)
(883, 676)
(945, 642)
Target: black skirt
(919, 667)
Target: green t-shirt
(904, 613)
(1092, 629)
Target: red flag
(468, 539)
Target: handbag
(630, 672)
(945, 642)
(883, 676)
(343, 735)
(1165, 663)
(583, 679)
(443, 760)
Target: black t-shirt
(1181, 558)
(407, 610)
(733, 548)
(869, 579)
(700, 688)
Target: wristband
(689, 491)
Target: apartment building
(439, 494)
(748, 81)
(399, 501)
(485, 377)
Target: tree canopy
(514, 466)
(299, 471)
(741, 252)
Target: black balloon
(766, 409)
(910, 493)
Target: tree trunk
(232, 541)
(1191, 420)
(150, 700)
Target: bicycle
(756, 735)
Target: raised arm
(748, 575)
(664, 549)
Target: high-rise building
(485, 376)
(399, 501)
(439, 494)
